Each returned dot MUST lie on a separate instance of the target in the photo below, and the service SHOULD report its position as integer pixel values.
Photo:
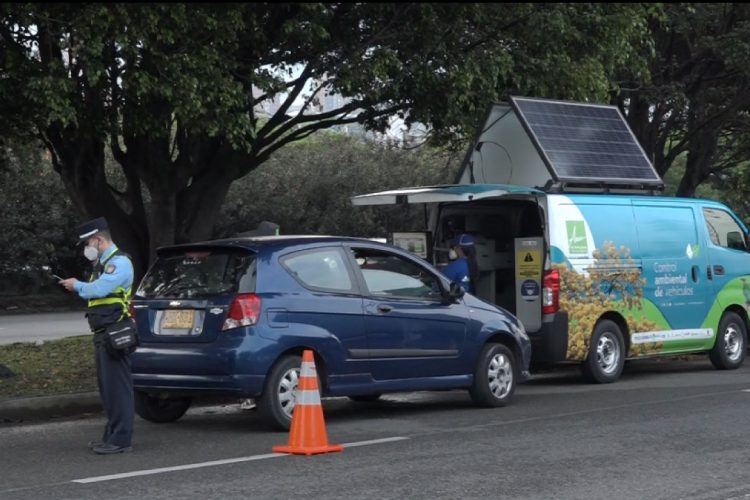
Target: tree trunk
(161, 220)
(698, 167)
(199, 206)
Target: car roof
(257, 242)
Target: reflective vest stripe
(119, 296)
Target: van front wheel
(606, 354)
(728, 352)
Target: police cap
(90, 228)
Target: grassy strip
(57, 300)
(54, 367)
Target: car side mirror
(454, 293)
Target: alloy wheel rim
(732, 342)
(288, 391)
(608, 353)
(500, 375)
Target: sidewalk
(45, 407)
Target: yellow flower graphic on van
(576, 237)
(612, 283)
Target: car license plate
(178, 319)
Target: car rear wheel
(728, 352)
(494, 377)
(276, 404)
(606, 356)
(160, 410)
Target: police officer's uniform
(108, 293)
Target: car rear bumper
(226, 366)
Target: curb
(45, 407)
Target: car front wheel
(495, 376)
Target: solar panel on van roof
(585, 142)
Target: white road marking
(745, 390)
(148, 472)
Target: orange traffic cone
(308, 433)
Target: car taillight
(131, 310)
(244, 311)
(551, 292)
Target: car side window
(723, 229)
(322, 268)
(390, 275)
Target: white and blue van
(599, 268)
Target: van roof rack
(600, 187)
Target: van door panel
(674, 259)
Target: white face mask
(91, 253)
(452, 255)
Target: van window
(723, 230)
(665, 230)
(199, 273)
(389, 275)
(322, 269)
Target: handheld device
(50, 273)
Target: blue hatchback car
(232, 317)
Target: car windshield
(197, 274)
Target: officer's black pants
(116, 392)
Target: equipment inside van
(573, 236)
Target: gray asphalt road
(667, 430)
(41, 327)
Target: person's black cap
(90, 228)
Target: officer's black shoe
(110, 449)
(94, 444)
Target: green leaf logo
(577, 237)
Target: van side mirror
(454, 293)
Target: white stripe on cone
(307, 369)
(307, 398)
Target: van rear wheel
(728, 352)
(606, 356)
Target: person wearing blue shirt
(108, 295)
(463, 269)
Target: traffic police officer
(108, 293)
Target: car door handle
(709, 275)
(695, 271)
(719, 270)
(384, 308)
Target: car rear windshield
(199, 274)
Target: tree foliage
(306, 188)
(695, 98)
(175, 91)
(37, 218)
